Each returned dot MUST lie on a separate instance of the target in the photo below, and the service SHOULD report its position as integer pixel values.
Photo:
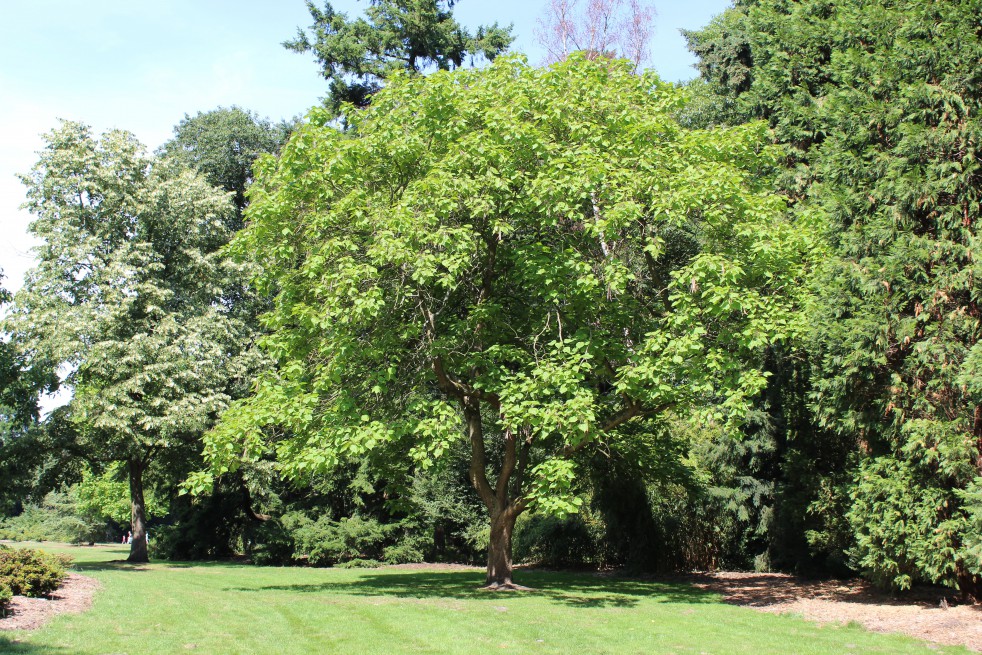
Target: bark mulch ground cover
(930, 613)
(73, 597)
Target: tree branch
(523, 460)
(247, 503)
(459, 390)
(508, 466)
(478, 470)
(631, 410)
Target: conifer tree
(410, 36)
(879, 106)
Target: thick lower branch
(630, 411)
(518, 479)
(508, 465)
(478, 470)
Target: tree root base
(505, 586)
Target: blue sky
(141, 66)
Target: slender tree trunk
(969, 584)
(138, 520)
(499, 549)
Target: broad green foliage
(222, 145)
(129, 295)
(879, 104)
(106, 497)
(542, 256)
(358, 55)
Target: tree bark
(499, 549)
(138, 515)
(969, 584)
(502, 511)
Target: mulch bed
(74, 596)
(930, 613)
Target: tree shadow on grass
(574, 590)
(16, 647)
(111, 565)
(155, 565)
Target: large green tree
(128, 296)
(223, 144)
(538, 262)
(879, 103)
(21, 386)
(412, 36)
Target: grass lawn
(231, 608)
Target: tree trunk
(499, 549)
(969, 584)
(138, 520)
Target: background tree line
(733, 324)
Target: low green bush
(360, 564)
(55, 518)
(325, 542)
(30, 572)
(5, 596)
(558, 542)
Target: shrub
(408, 549)
(272, 544)
(360, 564)
(559, 542)
(5, 595)
(208, 528)
(326, 542)
(29, 572)
(56, 518)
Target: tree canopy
(599, 28)
(222, 145)
(537, 262)
(22, 382)
(128, 296)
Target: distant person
(129, 537)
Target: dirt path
(921, 614)
(73, 597)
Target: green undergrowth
(234, 608)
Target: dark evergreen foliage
(409, 36)
(878, 104)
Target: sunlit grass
(231, 608)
